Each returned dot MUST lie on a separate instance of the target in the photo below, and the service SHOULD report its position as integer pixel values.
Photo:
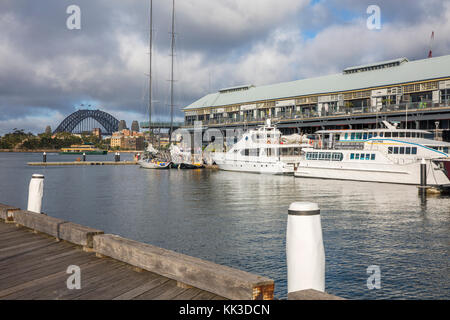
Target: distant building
(48, 130)
(135, 126)
(97, 132)
(128, 140)
(122, 125)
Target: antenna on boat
(150, 73)
(171, 77)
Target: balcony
(334, 112)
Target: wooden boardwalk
(33, 266)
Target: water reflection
(239, 219)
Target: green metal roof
(410, 71)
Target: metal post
(44, 157)
(84, 157)
(35, 193)
(304, 248)
(423, 173)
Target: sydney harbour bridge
(86, 120)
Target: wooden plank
(312, 294)
(205, 275)
(53, 287)
(189, 294)
(91, 280)
(204, 295)
(116, 285)
(44, 269)
(157, 281)
(36, 281)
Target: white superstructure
(380, 155)
(262, 150)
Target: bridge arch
(108, 122)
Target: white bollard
(35, 193)
(304, 248)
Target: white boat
(151, 164)
(389, 155)
(262, 150)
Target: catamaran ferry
(389, 155)
(262, 150)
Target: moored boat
(87, 148)
(388, 155)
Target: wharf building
(414, 94)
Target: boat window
(346, 136)
(269, 152)
(395, 150)
(402, 134)
(402, 150)
(358, 135)
(381, 134)
(388, 134)
(315, 155)
(352, 156)
(414, 150)
(395, 134)
(321, 155)
(338, 156)
(353, 136)
(390, 150)
(446, 149)
(372, 157)
(408, 150)
(297, 151)
(367, 156)
(408, 134)
(357, 156)
(365, 136)
(370, 135)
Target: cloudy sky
(47, 71)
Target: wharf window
(387, 134)
(390, 150)
(408, 150)
(414, 150)
(352, 156)
(372, 157)
(395, 150)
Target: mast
(171, 76)
(150, 72)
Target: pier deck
(83, 163)
(33, 266)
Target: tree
(48, 130)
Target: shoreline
(58, 151)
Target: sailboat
(150, 162)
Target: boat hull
(152, 165)
(276, 168)
(399, 174)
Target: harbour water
(239, 220)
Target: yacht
(263, 150)
(389, 155)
